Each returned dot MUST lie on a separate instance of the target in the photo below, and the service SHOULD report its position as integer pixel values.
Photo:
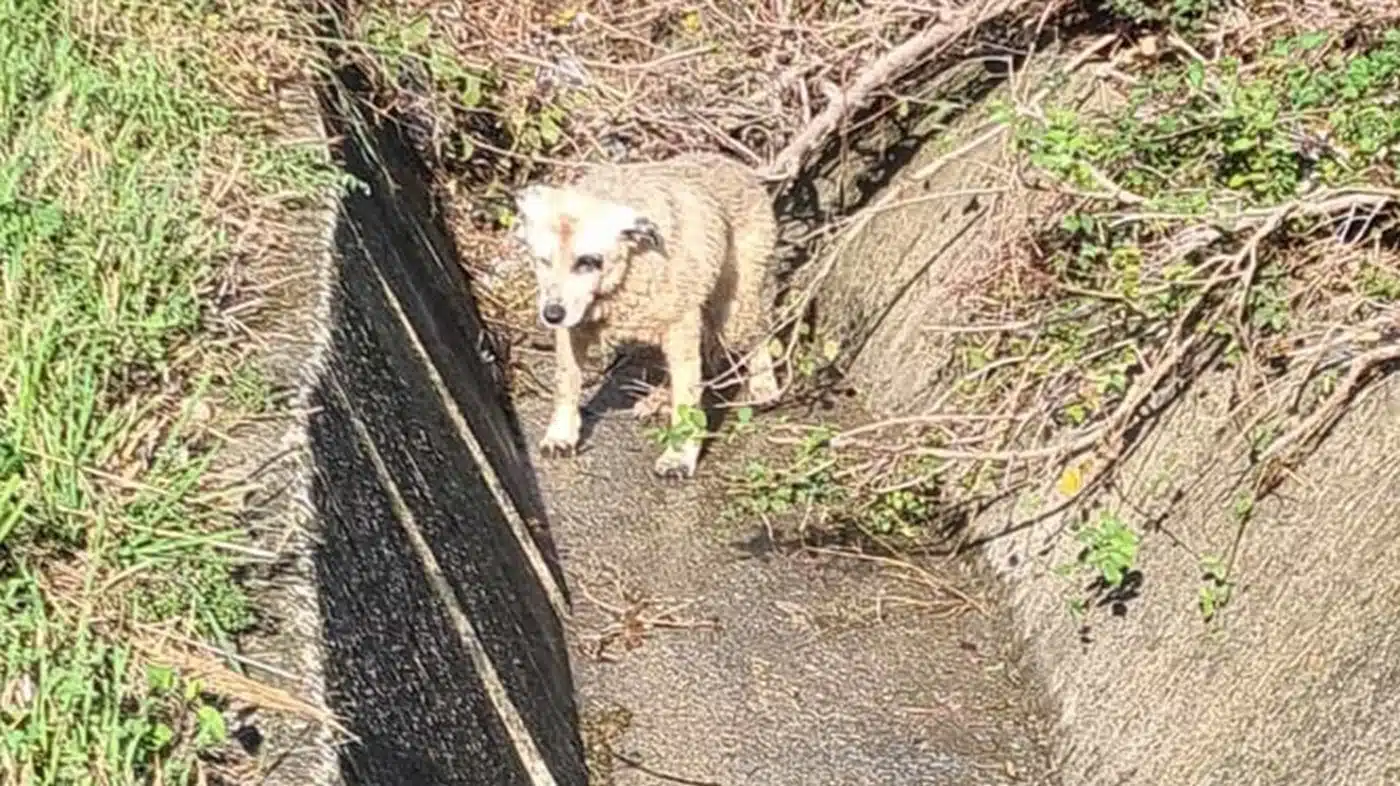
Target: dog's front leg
(570, 348)
(683, 361)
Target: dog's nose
(553, 313)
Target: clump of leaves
(491, 121)
(1195, 133)
(1110, 548)
(1109, 551)
(1216, 589)
(808, 483)
(692, 424)
(823, 488)
(901, 512)
(1180, 15)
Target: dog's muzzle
(552, 314)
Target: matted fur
(675, 253)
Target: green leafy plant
(400, 45)
(1304, 109)
(808, 482)
(1215, 593)
(693, 424)
(900, 512)
(1182, 15)
(743, 424)
(1110, 548)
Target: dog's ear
(644, 234)
(535, 208)
(530, 204)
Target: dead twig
(896, 62)
(635, 616)
(1335, 404)
(910, 570)
(638, 765)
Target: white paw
(678, 462)
(763, 380)
(561, 438)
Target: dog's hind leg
(651, 402)
(749, 314)
(682, 347)
(747, 333)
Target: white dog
(669, 253)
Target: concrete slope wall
(444, 646)
(417, 598)
(1299, 683)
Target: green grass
(119, 123)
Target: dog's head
(581, 246)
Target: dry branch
(638, 80)
(985, 437)
(1335, 405)
(882, 72)
(986, 134)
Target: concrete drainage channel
(422, 604)
(438, 610)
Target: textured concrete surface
(269, 454)
(780, 671)
(1300, 683)
(416, 597)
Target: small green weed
(1379, 283)
(817, 486)
(1110, 548)
(1186, 16)
(1193, 135)
(807, 484)
(1108, 553)
(743, 424)
(693, 424)
(494, 121)
(900, 513)
(1217, 588)
(1215, 593)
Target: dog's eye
(588, 262)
